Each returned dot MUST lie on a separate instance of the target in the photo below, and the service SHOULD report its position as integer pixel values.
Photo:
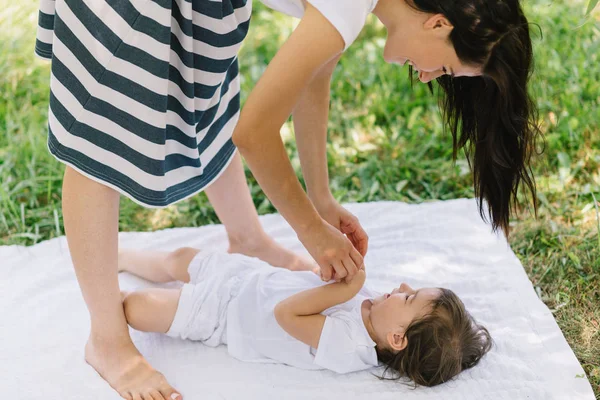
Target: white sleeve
(340, 348)
(347, 16)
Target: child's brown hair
(440, 345)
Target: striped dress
(144, 93)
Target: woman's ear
(439, 24)
(397, 340)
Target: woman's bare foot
(272, 253)
(121, 365)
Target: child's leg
(158, 266)
(151, 310)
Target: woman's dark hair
(491, 116)
(440, 345)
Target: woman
(145, 98)
(480, 53)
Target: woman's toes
(147, 396)
(170, 394)
(126, 395)
(137, 396)
(155, 395)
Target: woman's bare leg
(91, 215)
(231, 199)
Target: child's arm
(300, 315)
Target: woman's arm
(257, 135)
(311, 115)
(314, 43)
(300, 315)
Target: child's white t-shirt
(347, 16)
(253, 334)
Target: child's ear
(397, 340)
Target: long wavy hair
(492, 117)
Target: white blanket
(44, 322)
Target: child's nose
(405, 288)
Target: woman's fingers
(357, 235)
(334, 252)
(358, 259)
(360, 240)
(340, 269)
(326, 272)
(345, 268)
(351, 267)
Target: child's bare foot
(270, 252)
(126, 371)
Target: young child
(268, 314)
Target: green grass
(385, 143)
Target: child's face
(392, 313)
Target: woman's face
(421, 40)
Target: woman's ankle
(106, 339)
(249, 243)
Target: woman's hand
(333, 212)
(334, 253)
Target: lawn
(386, 142)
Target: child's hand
(357, 282)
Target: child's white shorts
(215, 279)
